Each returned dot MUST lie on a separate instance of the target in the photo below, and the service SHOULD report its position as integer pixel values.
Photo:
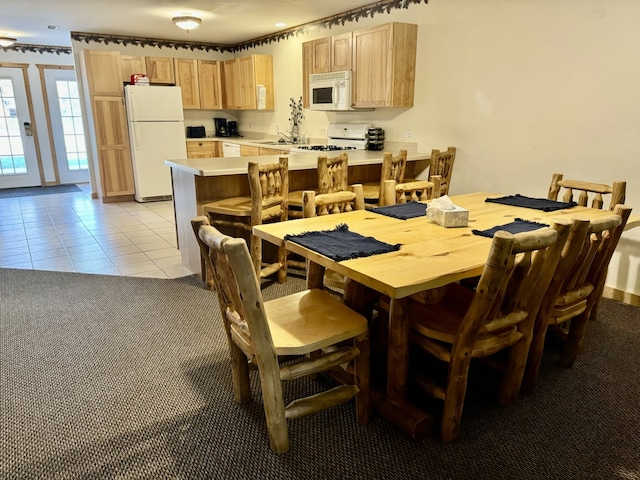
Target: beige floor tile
(129, 259)
(137, 268)
(164, 253)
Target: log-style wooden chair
(327, 204)
(498, 315)
(393, 168)
(586, 190)
(575, 289)
(333, 176)
(269, 187)
(205, 261)
(418, 190)
(326, 334)
(442, 164)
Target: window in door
(72, 127)
(12, 158)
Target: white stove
(340, 136)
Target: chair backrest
(585, 189)
(442, 164)
(411, 191)
(333, 173)
(515, 278)
(205, 260)
(393, 168)
(269, 191)
(336, 202)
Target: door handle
(27, 129)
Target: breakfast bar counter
(197, 181)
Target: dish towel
(403, 211)
(517, 226)
(341, 244)
(543, 204)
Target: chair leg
(454, 399)
(575, 338)
(512, 379)
(282, 260)
(362, 376)
(240, 375)
(256, 254)
(274, 410)
(534, 359)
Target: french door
(66, 125)
(18, 159)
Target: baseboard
(621, 296)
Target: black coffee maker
(232, 128)
(222, 129)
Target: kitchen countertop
(207, 167)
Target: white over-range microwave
(330, 91)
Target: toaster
(196, 132)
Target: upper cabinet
(131, 64)
(384, 61)
(103, 73)
(341, 52)
(186, 72)
(160, 70)
(210, 80)
(248, 83)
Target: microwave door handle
(334, 95)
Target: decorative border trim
(353, 15)
(25, 47)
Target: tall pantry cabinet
(106, 98)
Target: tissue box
(458, 217)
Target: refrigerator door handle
(135, 137)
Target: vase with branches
(296, 119)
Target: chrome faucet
(288, 137)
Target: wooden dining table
(430, 256)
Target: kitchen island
(197, 181)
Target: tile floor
(70, 232)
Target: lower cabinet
(202, 149)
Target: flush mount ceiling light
(186, 22)
(7, 41)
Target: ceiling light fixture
(7, 41)
(186, 22)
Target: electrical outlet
(408, 134)
(277, 127)
(323, 131)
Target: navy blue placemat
(517, 226)
(403, 211)
(341, 244)
(543, 204)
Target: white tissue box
(458, 217)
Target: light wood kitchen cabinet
(384, 60)
(112, 141)
(131, 64)
(210, 80)
(341, 52)
(321, 55)
(241, 79)
(103, 72)
(272, 151)
(307, 69)
(160, 70)
(202, 149)
(186, 73)
(249, 151)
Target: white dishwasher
(230, 149)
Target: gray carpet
(34, 191)
(117, 377)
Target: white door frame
(24, 111)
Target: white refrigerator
(156, 134)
